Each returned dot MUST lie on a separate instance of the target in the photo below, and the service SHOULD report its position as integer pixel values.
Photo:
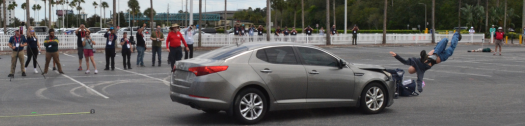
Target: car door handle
(266, 71)
(314, 72)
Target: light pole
(425, 15)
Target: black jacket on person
(420, 67)
(140, 40)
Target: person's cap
(500, 28)
(111, 28)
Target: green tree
(148, 13)
(104, 6)
(12, 7)
(279, 5)
(135, 8)
(23, 6)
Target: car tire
(373, 98)
(253, 103)
(211, 111)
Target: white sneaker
(96, 71)
(87, 71)
(36, 71)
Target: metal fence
(218, 40)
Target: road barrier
(219, 40)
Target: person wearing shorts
(499, 40)
(81, 34)
(88, 52)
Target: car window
(317, 57)
(261, 54)
(224, 52)
(279, 55)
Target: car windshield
(224, 52)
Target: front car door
(326, 82)
(282, 72)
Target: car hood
(369, 67)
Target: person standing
(499, 40)
(492, 32)
(188, 36)
(156, 45)
(141, 47)
(242, 33)
(81, 34)
(173, 44)
(260, 31)
(251, 31)
(51, 45)
(293, 34)
(110, 48)
(236, 32)
(286, 32)
(309, 32)
(277, 33)
(126, 51)
(33, 49)
(17, 43)
(88, 52)
(354, 35)
(334, 31)
(471, 31)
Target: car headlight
(388, 76)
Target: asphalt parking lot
(468, 89)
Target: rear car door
(326, 82)
(281, 71)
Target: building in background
(10, 14)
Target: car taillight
(199, 71)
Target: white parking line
(68, 55)
(91, 89)
(165, 82)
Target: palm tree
(34, 10)
(384, 22)
(49, 12)
(38, 7)
(104, 6)
(27, 14)
(114, 21)
(45, 10)
(23, 6)
(95, 4)
(279, 5)
(135, 8)
(150, 12)
(505, 18)
(302, 11)
(79, 8)
(293, 4)
(12, 7)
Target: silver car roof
(257, 45)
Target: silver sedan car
(250, 79)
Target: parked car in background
(94, 29)
(41, 29)
(250, 79)
(99, 33)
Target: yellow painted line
(57, 114)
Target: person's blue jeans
(443, 52)
(156, 51)
(140, 56)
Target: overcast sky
(159, 5)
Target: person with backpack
(426, 61)
(499, 40)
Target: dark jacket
(108, 36)
(421, 68)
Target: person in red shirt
(499, 40)
(173, 44)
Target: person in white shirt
(471, 30)
(188, 35)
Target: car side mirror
(342, 64)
